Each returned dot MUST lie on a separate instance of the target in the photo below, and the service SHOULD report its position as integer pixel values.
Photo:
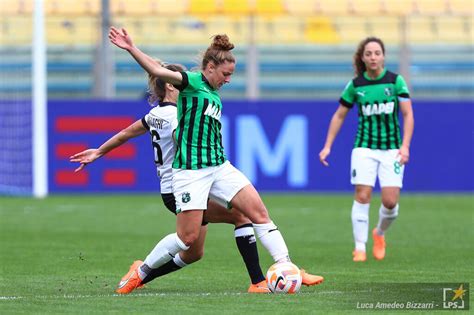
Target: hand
(85, 157)
(120, 38)
(404, 154)
(323, 155)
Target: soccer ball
(284, 277)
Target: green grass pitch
(65, 254)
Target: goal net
(23, 145)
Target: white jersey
(161, 121)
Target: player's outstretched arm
(90, 155)
(121, 39)
(336, 122)
(85, 157)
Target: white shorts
(192, 188)
(368, 164)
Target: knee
(363, 197)
(239, 219)
(261, 216)
(188, 238)
(250, 214)
(389, 203)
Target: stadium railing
(313, 72)
(311, 31)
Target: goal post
(39, 104)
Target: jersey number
(396, 167)
(155, 137)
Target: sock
(272, 240)
(164, 251)
(360, 224)
(386, 217)
(171, 266)
(247, 245)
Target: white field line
(87, 296)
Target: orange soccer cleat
(260, 287)
(309, 279)
(359, 256)
(131, 280)
(379, 245)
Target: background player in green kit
(379, 151)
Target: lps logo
(454, 298)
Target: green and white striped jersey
(378, 108)
(199, 128)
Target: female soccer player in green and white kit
(200, 168)
(160, 123)
(379, 151)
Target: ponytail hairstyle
(219, 51)
(359, 65)
(156, 86)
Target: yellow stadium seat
(454, 29)
(16, 30)
(76, 7)
(366, 7)
(188, 30)
(420, 29)
(173, 7)
(67, 30)
(279, 30)
(301, 7)
(320, 29)
(398, 7)
(135, 7)
(236, 27)
(144, 30)
(386, 28)
(461, 6)
(8, 7)
(263, 30)
(93, 7)
(203, 7)
(269, 7)
(52, 7)
(352, 29)
(332, 7)
(117, 7)
(430, 6)
(236, 7)
(289, 29)
(154, 30)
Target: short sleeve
(348, 95)
(144, 123)
(184, 82)
(191, 81)
(402, 88)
